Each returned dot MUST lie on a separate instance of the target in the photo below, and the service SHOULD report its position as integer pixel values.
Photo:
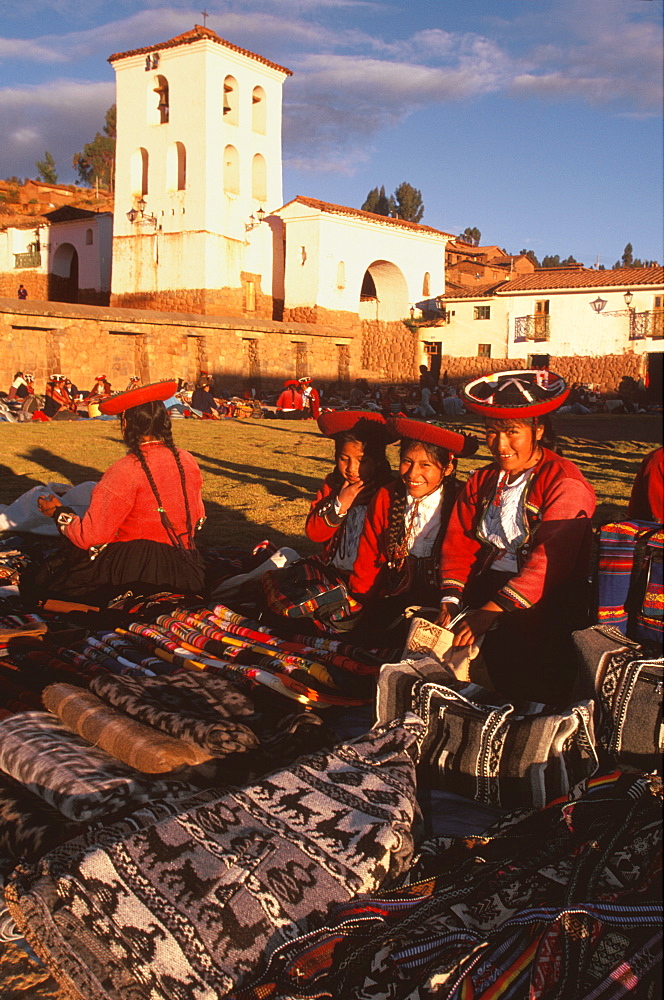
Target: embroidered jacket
(123, 506)
(557, 508)
(373, 548)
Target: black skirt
(141, 566)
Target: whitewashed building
(198, 161)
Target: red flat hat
(524, 393)
(431, 433)
(291, 381)
(335, 421)
(121, 401)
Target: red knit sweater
(558, 506)
(123, 506)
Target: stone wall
(82, 341)
(203, 301)
(389, 351)
(35, 282)
(604, 372)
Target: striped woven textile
(630, 579)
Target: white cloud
(60, 116)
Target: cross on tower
(205, 15)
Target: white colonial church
(199, 221)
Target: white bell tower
(198, 162)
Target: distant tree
(408, 203)
(627, 255)
(97, 161)
(46, 169)
(532, 257)
(554, 260)
(378, 202)
(473, 234)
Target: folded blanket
(29, 827)
(187, 907)
(80, 781)
(146, 749)
(198, 708)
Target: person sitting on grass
(138, 532)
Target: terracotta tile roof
(455, 291)
(330, 209)
(196, 34)
(583, 277)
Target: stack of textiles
(565, 903)
(187, 903)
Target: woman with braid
(138, 533)
(400, 546)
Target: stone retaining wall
(84, 340)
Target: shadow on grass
(14, 484)
(226, 526)
(75, 472)
(288, 485)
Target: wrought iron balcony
(646, 324)
(536, 328)
(32, 259)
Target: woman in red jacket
(138, 532)
(398, 552)
(518, 542)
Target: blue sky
(538, 121)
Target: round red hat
(121, 401)
(433, 433)
(290, 382)
(524, 393)
(335, 421)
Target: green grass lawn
(259, 476)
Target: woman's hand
(474, 624)
(446, 614)
(48, 504)
(348, 494)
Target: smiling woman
(518, 542)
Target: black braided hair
(152, 420)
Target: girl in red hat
(398, 552)
(337, 514)
(138, 532)
(518, 542)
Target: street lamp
(628, 298)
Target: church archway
(384, 294)
(64, 276)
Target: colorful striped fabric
(630, 579)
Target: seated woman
(138, 533)
(336, 519)
(518, 543)
(289, 401)
(337, 514)
(398, 552)
(646, 498)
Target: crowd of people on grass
(502, 558)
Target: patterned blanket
(199, 708)
(186, 908)
(564, 904)
(79, 780)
